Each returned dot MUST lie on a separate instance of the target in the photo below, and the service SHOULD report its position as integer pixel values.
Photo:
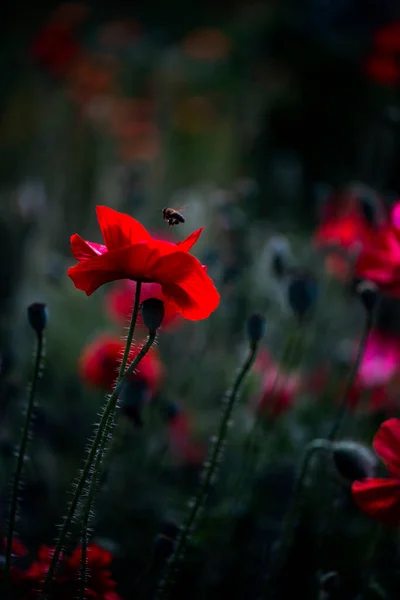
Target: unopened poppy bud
(302, 293)
(368, 294)
(37, 316)
(255, 328)
(353, 461)
(152, 313)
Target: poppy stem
(295, 504)
(341, 413)
(21, 457)
(210, 468)
(101, 451)
(108, 410)
(287, 361)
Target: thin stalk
(21, 458)
(109, 408)
(341, 413)
(291, 515)
(209, 473)
(325, 444)
(101, 450)
(289, 352)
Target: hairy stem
(109, 408)
(21, 458)
(208, 475)
(101, 451)
(295, 504)
(341, 413)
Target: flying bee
(172, 216)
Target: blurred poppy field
(207, 407)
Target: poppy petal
(82, 249)
(186, 245)
(119, 229)
(387, 445)
(132, 262)
(186, 285)
(379, 498)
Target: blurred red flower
(56, 48)
(380, 497)
(369, 234)
(183, 447)
(119, 302)
(388, 38)
(379, 257)
(344, 228)
(131, 253)
(384, 69)
(100, 360)
(278, 387)
(99, 584)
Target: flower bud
(353, 461)
(37, 316)
(152, 313)
(255, 328)
(302, 293)
(369, 295)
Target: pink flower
(380, 364)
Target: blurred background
(252, 118)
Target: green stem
(209, 473)
(291, 515)
(101, 450)
(109, 408)
(341, 413)
(289, 352)
(20, 459)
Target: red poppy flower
(374, 241)
(56, 48)
(129, 252)
(388, 38)
(383, 69)
(183, 447)
(99, 584)
(278, 388)
(100, 360)
(380, 498)
(345, 228)
(119, 302)
(379, 257)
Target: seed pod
(302, 293)
(38, 316)
(353, 461)
(152, 313)
(369, 295)
(255, 328)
